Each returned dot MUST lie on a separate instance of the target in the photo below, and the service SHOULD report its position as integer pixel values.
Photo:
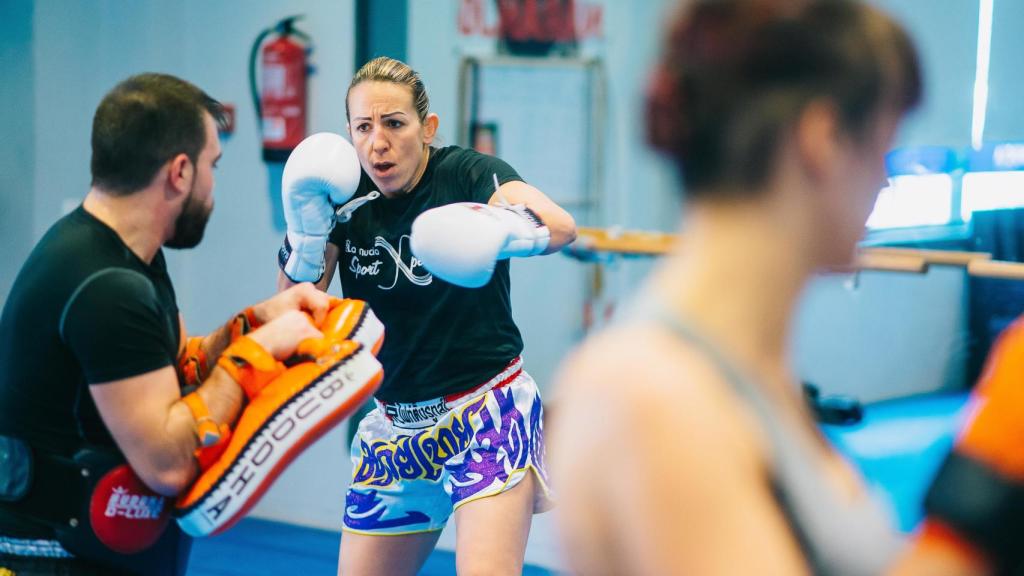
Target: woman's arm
(560, 223)
(330, 266)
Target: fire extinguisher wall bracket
(280, 96)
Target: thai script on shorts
(421, 455)
(406, 414)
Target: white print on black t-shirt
(373, 268)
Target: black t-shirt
(83, 310)
(439, 338)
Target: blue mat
(256, 546)
(899, 446)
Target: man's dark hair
(142, 123)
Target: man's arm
(560, 223)
(154, 428)
(293, 296)
(145, 413)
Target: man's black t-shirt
(440, 338)
(83, 310)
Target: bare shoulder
(636, 384)
(640, 367)
(655, 446)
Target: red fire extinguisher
(280, 99)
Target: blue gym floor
(898, 448)
(255, 547)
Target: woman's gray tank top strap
(837, 537)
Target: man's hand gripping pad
(329, 379)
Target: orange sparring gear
(208, 431)
(250, 365)
(289, 414)
(995, 427)
(193, 366)
(243, 323)
(936, 534)
(350, 319)
(976, 504)
(328, 379)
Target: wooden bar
(867, 260)
(911, 260)
(996, 269)
(631, 242)
(936, 257)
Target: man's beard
(190, 225)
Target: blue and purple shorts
(415, 463)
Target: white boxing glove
(321, 172)
(460, 243)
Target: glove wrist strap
(298, 264)
(528, 235)
(243, 323)
(249, 365)
(207, 430)
(193, 366)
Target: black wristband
(983, 506)
(284, 253)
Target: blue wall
(17, 145)
(946, 34)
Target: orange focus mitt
(975, 505)
(289, 408)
